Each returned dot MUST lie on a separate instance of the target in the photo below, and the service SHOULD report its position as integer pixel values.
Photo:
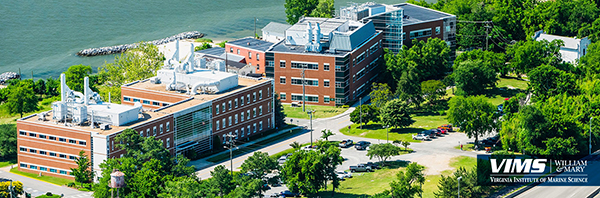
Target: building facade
(253, 51)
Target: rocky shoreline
(123, 48)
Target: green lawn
(46, 178)
(376, 131)
(8, 162)
(320, 111)
(6, 118)
(513, 82)
(498, 94)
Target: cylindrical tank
(117, 179)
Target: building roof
(571, 43)
(275, 27)
(216, 51)
(219, 53)
(251, 43)
(417, 14)
(327, 25)
(282, 47)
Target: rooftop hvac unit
(105, 127)
(42, 116)
(155, 80)
(59, 110)
(79, 114)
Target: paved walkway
(37, 187)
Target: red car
(443, 131)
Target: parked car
(420, 136)
(288, 193)
(437, 132)
(346, 143)
(308, 148)
(360, 168)
(443, 131)
(447, 127)
(373, 165)
(362, 145)
(428, 133)
(342, 175)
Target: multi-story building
(188, 107)
(337, 58)
(253, 51)
(386, 18)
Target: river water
(43, 36)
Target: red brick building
(253, 51)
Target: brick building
(188, 108)
(253, 51)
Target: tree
(527, 55)
(406, 144)
(590, 63)
(408, 183)
(380, 94)
(369, 113)
(383, 151)
(397, 142)
(547, 81)
(448, 185)
(5, 190)
(75, 74)
(40, 87)
(222, 44)
(395, 114)
(83, 173)
(497, 61)
(8, 141)
(509, 14)
(427, 59)
(591, 31)
(184, 187)
(279, 113)
(473, 77)
(560, 17)
(433, 91)
(325, 9)
(203, 47)
(259, 164)
(326, 133)
(52, 86)
(294, 9)
(474, 115)
(21, 99)
(222, 180)
(308, 171)
(295, 145)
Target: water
(43, 36)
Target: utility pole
(486, 35)
(303, 91)
(310, 113)
(230, 146)
(254, 27)
(360, 107)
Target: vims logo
(519, 166)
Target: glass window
(165, 104)
(242, 101)
(217, 125)
(126, 98)
(32, 151)
(22, 133)
(326, 99)
(142, 133)
(224, 123)
(249, 55)
(148, 132)
(257, 56)
(223, 107)
(83, 143)
(249, 130)
(217, 109)
(281, 80)
(260, 110)
(32, 134)
(229, 105)
(62, 156)
(238, 51)
(42, 136)
(33, 167)
(73, 141)
(248, 115)
(53, 170)
(237, 133)
(235, 103)
(242, 131)
(43, 168)
(62, 140)
(63, 172)
(136, 100)
(43, 153)
(160, 129)
(22, 149)
(260, 126)
(155, 103)
(282, 64)
(52, 138)
(146, 102)
(168, 142)
(326, 83)
(260, 94)
(231, 49)
(236, 118)
(72, 157)
(437, 30)
(326, 66)
(242, 116)
(254, 127)
(254, 112)
(248, 98)
(154, 131)
(254, 97)
(52, 154)
(23, 165)
(168, 126)
(282, 96)
(229, 121)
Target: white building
(573, 49)
(274, 32)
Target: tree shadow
(407, 130)
(327, 193)
(504, 92)
(396, 164)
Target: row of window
(231, 104)
(249, 53)
(48, 153)
(313, 66)
(148, 102)
(420, 33)
(309, 82)
(234, 119)
(60, 139)
(298, 97)
(42, 168)
(154, 132)
(245, 131)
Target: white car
(420, 136)
(282, 159)
(343, 175)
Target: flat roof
(216, 51)
(251, 43)
(276, 27)
(418, 14)
(327, 25)
(299, 49)
(144, 117)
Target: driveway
(37, 187)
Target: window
(168, 126)
(154, 131)
(32, 151)
(326, 66)
(43, 168)
(126, 99)
(242, 101)
(270, 63)
(23, 165)
(217, 125)
(231, 49)
(52, 154)
(242, 116)
(260, 94)
(32, 134)
(165, 104)
(52, 138)
(326, 99)
(242, 131)
(142, 133)
(72, 157)
(236, 118)
(155, 103)
(168, 142)
(73, 141)
(260, 126)
(326, 83)
(282, 96)
(297, 65)
(298, 97)
(33, 167)
(359, 59)
(229, 105)
(248, 115)
(282, 64)
(224, 123)
(309, 82)
(136, 100)
(254, 97)
(148, 132)
(53, 170)
(238, 51)
(161, 129)
(254, 127)
(249, 55)
(254, 112)
(22, 133)
(22, 149)
(339, 85)
(230, 121)
(146, 102)
(224, 139)
(217, 109)
(260, 110)
(248, 99)
(437, 30)
(235, 103)
(42, 136)
(223, 107)
(83, 143)
(43, 153)
(63, 172)
(281, 80)
(62, 140)
(420, 33)
(257, 56)
(249, 130)
(237, 134)
(62, 156)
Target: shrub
(48, 101)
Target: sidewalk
(203, 163)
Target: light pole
(592, 118)
(459, 186)
(231, 145)
(310, 113)
(360, 107)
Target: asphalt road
(37, 187)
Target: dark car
(428, 133)
(288, 193)
(437, 132)
(362, 145)
(373, 165)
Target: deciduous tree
(473, 77)
(527, 55)
(325, 9)
(380, 94)
(547, 81)
(8, 141)
(474, 115)
(21, 99)
(383, 151)
(83, 173)
(259, 164)
(395, 114)
(279, 113)
(408, 184)
(75, 75)
(369, 113)
(294, 9)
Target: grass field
(505, 88)
(8, 162)
(376, 131)
(320, 111)
(49, 179)
(6, 118)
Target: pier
(125, 47)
